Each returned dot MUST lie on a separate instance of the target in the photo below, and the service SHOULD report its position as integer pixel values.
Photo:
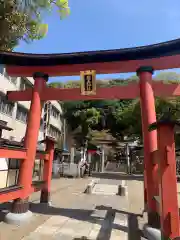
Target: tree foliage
(87, 117)
(81, 119)
(22, 20)
(168, 76)
(120, 118)
(128, 121)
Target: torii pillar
(167, 200)
(20, 207)
(148, 116)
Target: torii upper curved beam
(160, 56)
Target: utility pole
(102, 158)
(127, 158)
(64, 133)
(46, 117)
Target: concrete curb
(151, 233)
(91, 185)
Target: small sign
(88, 82)
(91, 151)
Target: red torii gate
(142, 60)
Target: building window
(55, 112)
(12, 172)
(6, 75)
(13, 80)
(54, 132)
(42, 125)
(25, 84)
(22, 114)
(6, 106)
(12, 138)
(1, 69)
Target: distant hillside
(172, 77)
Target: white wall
(19, 127)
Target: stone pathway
(66, 228)
(64, 191)
(74, 215)
(105, 189)
(90, 216)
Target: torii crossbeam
(130, 91)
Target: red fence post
(47, 173)
(169, 210)
(148, 116)
(31, 138)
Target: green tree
(22, 20)
(79, 114)
(55, 85)
(119, 118)
(81, 122)
(72, 84)
(127, 122)
(167, 76)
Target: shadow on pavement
(118, 176)
(81, 238)
(85, 215)
(4, 209)
(134, 233)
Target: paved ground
(64, 193)
(73, 215)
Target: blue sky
(108, 24)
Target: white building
(15, 114)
